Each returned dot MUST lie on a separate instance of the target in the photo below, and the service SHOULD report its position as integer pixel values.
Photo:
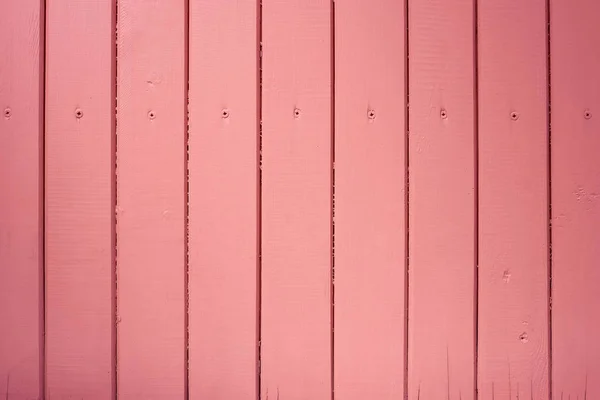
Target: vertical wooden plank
(21, 202)
(442, 201)
(223, 216)
(151, 203)
(575, 123)
(151, 199)
(296, 200)
(80, 199)
(513, 200)
(370, 170)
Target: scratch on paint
(509, 381)
(448, 369)
(531, 389)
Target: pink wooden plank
(441, 328)
(151, 202)
(223, 203)
(513, 200)
(296, 200)
(21, 202)
(370, 171)
(80, 200)
(575, 63)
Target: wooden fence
(300, 199)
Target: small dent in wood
(506, 276)
(580, 194)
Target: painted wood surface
(513, 200)
(223, 199)
(296, 200)
(79, 200)
(442, 292)
(21, 200)
(370, 197)
(276, 232)
(575, 117)
(151, 202)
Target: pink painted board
(151, 203)
(513, 298)
(575, 123)
(441, 341)
(223, 203)
(21, 200)
(296, 200)
(79, 202)
(370, 200)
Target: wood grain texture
(575, 83)
(370, 197)
(79, 183)
(513, 200)
(151, 179)
(223, 214)
(21, 200)
(296, 200)
(441, 328)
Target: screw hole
(371, 114)
(78, 113)
(7, 113)
(151, 115)
(225, 113)
(443, 114)
(514, 116)
(296, 112)
(587, 114)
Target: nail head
(523, 337)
